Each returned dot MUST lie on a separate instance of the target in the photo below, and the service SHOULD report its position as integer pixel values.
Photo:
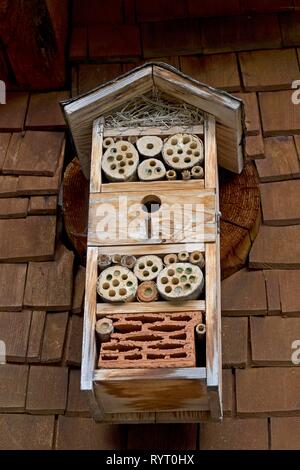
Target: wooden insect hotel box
(150, 142)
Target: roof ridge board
(151, 64)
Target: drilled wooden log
(239, 204)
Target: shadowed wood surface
(239, 204)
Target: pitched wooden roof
(80, 112)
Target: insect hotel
(150, 142)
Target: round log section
(239, 205)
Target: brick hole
(144, 338)
(184, 318)
(119, 347)
(166, 327)
(145, 318)
(127, 328)
(178, 355)
(133, 357)
(107, 357)
(167, 346)
(155, 356)
(178, 336)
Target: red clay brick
(239, 33)
(165, 346)
(285, 433)
(47, 390)
(86, 434)
(289, 291)
(289, 23)
(213, 7)
(218, 70)
(25, 432)
(234, 434)
(106, 41)
(234, 341)
(77, 404)
(44, 111)
(268, 391)
(13, 379)
(12, 117)
(170, 38)
(272, 338)
(281, 160)
(273, 293)
(14, 331)
(160, 11)
(279, 115)
(244, 293)
(279, 202)
(269, 70)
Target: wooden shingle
(4, 141)
(12, 117)
(25, 432)
(28, 239)
(44, 111)
(47, 390)
(74, 341)
(14, 331)
(13, 379)
(77, 400)
(36, 336)
(279, 114)
(12, 284)
(49, 285)
(280, 202)
(281, 160)
(13, 208)
(54, 337)
(42, 205)
(78, 290)
(34, 153)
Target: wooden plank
(13, 378)
(42, 205)
(4, 142)
(35, 153)
(280, 116)
(280, 202)
(281, 160)
(158, 391)
(44, 112)
(26, 432)
(93, 75)
(213, 330)
(13, 208)
(36, 336)
(47, 390)
(177, 185)
(13, 114)
(39, 185)
(174, 222)
(54, 337)
(96, 156)
(74, 342)
(14, 327)
(210, 153)
(99, 101)
(12, 283)
(104, 309)
(229, 148)
(89, 341)
(276, 248)
(138, 131)
(139, 250)
(78, 291)
(54, 280)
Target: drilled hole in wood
(151, 203)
